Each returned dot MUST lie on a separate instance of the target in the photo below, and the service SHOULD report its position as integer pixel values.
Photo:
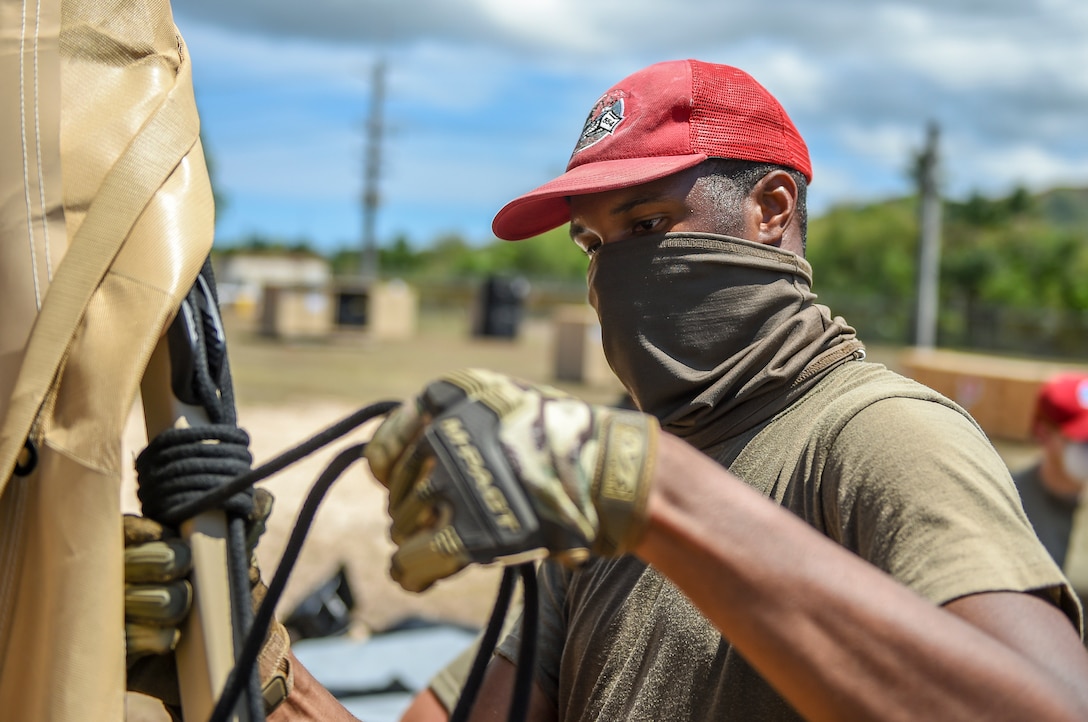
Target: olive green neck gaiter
(713, 334)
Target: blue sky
(484, 98)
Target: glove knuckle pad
(491, 511)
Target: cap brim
(1076, 429)
(545, 208)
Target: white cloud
(884, 145)
(1030, 165)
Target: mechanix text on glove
(482, 467)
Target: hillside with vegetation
(1012, 273)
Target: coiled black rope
(180, 465)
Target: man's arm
(308, 700)
(493, 701)
(425, 707)
(834, 635)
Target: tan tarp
(105, 219)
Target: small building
(380, 309)
(293, 295)
(243, 275)
(296, 312)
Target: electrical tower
(929, 245)
(368, 260)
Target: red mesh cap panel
(735, 117)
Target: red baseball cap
(1063, 401)
(661, 120)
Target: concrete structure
(296, 312)
(393, 310)
(381, 310)
(579, 356)
(242, 277)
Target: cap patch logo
(1082, 394)
(603, 120)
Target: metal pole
(929, 247)
(368, 265)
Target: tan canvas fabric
(31, 215)
(100, 141)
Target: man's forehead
(621, 200)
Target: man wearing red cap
(783, 530)
(1052, 487)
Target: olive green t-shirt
(882, 465)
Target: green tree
(399, 258)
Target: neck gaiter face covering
(713, 334)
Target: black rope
(212, 498)
(250, 648)
(170, 477)
(182, 465)
(179, 464)
(523, 683)
(255, 639)
(487, 645)
(187, 471)
(183, 475)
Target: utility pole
(368, 261)
(929, 246)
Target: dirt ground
(287, 392)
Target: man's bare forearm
(309, 701)
(835, 636)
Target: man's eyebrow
(634, 203)
(576, 229)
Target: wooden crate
(998, 392)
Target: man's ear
(775, 196)
(1038, 431)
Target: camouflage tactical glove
(158, 596)
(482, 467)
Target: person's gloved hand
(482, 467)
(158, 597)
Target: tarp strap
(163, 142)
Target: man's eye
(589, 246)
(649, 225)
